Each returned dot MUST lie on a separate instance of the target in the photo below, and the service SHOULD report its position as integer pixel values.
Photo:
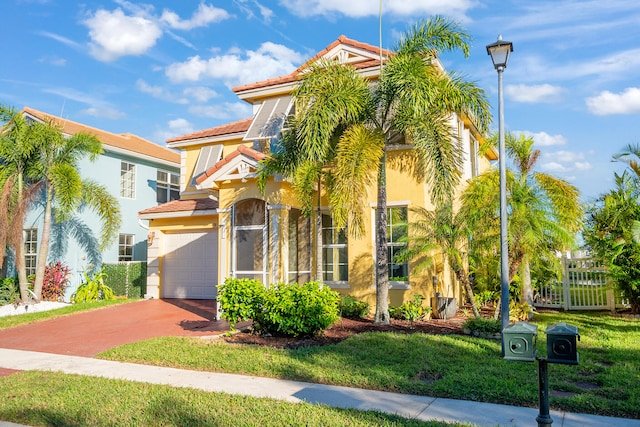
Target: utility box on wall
(520, 342)
(562, 343)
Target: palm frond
(98, 198)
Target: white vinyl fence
(583, 287)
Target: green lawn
(605, 382)
(51, 399)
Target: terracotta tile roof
(226, 129)
(243, 149)
(126, 141)
(294, 76)
(189, 205)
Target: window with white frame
(30, 249)
(335, 264)
(396, 242)
(167, 186)
(125, 247)
(127, 180)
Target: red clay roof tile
(188, 205)
(126, 141)
(226, 129)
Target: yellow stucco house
(223, 226)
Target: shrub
(298, 310)
(240, 299)
(483, 325)
(93, 289)
(127, 279)
(410, 310)
(520, 311)
(55, 281)
(9, 291)
(352, 308)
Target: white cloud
(181, 126)
(61, 39)
(543, 139)
(545, 93)
(200, 94)
(53, 60)
(234, 68)
(564, 161)
(202, 17)
(365, 8)
(114, 34)
(226, 111)
(606, 103)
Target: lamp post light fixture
(499, 52)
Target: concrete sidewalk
(419, 407)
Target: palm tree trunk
(527, 289)
(43, 250)
(318, 275)
(463, 278)
(382, 267)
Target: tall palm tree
(544, 211)
(57, 170)
(340, 111)
(18, 151)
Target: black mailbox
(520, 342)
(562, 343)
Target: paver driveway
(91, 332)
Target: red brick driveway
(89, 333)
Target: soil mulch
(346, 328)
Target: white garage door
(190, 265)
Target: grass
(10, 321)
(605, 382)
(53, 399)
(460, 367)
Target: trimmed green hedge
(127, 278)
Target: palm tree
(64, 189)
(441, 230)
(346, 123)
(18, 150)
(544, 211)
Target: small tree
(610, 234)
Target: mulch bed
(346, 328)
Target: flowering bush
(56, 279)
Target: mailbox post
(520, 345)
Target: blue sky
(160, 69)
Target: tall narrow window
(125, 247)
(396, 232)
(334, 252)
(30, 249)
(127, 180)
(299, 247)
(167, 186)
(250, 239)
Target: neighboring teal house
(138, 172)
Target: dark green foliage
(9, 291)
(298, 310)
(284, 309)
(611, 235)
(352, 308)
(410, 310)
(240, 299)
(127, 279)
(483, 325)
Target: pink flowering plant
(56, 279)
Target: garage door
(190, 265)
